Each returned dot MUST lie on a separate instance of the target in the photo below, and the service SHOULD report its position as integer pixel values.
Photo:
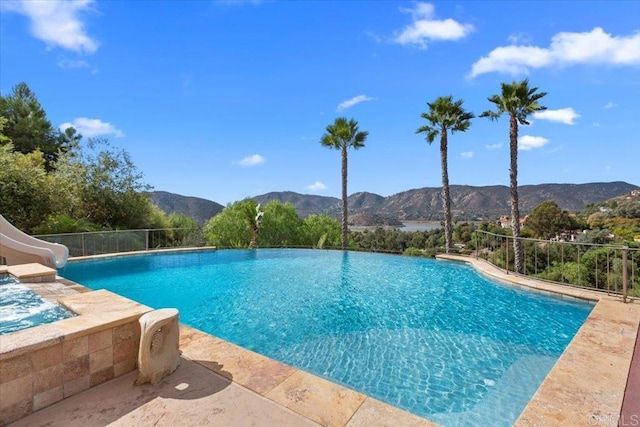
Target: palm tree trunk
(446, 198)
(345, 218)
(515, 210)
(253, 244)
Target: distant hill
(467, 202)
(195, 207)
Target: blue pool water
(432, 337)
(21, 308)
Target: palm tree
(253, 220)
(445, 115)
(519, 101)
(343, 134)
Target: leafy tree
(320, 231)
(63, 223)
(28, 127)
(107, 187)
(228, 228)
(547, 219)
(628, 209)
(4, 139)
(27, 193)
(183, 230)
(445, 116)
(280, 225)
(596, 220)
(341, 135)
(518, 101)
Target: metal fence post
(624, 273)
(507, 255)
(477, 250)
(146, 243)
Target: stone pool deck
(219, 383)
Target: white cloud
(90, 128)
(252, 160)
(466, 154)
(566, 49)
(493, 146)
(517, 38)
(563, 115)
(316, 186)
(56, 22)
(609, 105)
(426, 28)
(528, 142)
(69, 64)
(353, 101)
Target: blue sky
(229, 99)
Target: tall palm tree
(343, 134)
(519, 101)
(445, 116)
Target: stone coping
(143, 252)
(534, 285)
(32, 272)
(96, 311)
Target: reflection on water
(421, 225)
(409, 226)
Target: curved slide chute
(17, 247)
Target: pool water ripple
(435, 338)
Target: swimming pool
(431, 337)
(21, 308)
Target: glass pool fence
(613, 269)
(106, 242)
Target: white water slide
(17, 247)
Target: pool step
(32, 273)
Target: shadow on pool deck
(192, 395)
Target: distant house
(567, 236)
(505, 222)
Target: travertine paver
(32, 272)
(326, 403)
(191, 396)
(252, 370)
(587, 384)
(372, 412)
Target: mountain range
(467, 202)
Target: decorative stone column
(159, 354)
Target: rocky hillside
(467, 202)
(200, 209)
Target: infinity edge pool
(585, 386)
